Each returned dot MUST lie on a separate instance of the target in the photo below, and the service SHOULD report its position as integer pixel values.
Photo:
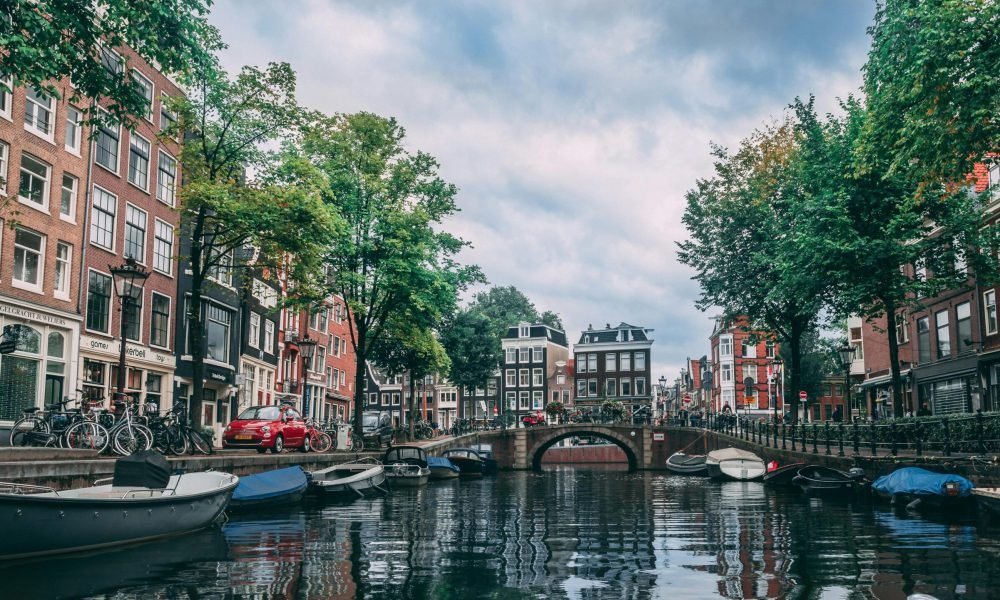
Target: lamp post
(846, 355)
(129, 281)
(663, 395)
(307, 348)
(776, 365)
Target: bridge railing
(977, 433)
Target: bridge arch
(544, 438)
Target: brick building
(614, 364)
(742, 362)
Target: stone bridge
(645, 447)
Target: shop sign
(113, 348)
(221, 376)
(30, 315)
(659, 436)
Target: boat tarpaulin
(270, 484)
(920, 482)
(145, 468)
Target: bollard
(892, 437)
(840, 439)
(919, 434)
(947, 437)
(979, 431)
(857, 438)
(784, 430)
(871, 437)
(815, 438)
(826, 434)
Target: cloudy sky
(572, 129)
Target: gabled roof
(538, 330)
(611, 335)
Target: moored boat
(733, 463)
(142, 502)
(349, 480)
(486, 454)
(783, 475)
(918, 487)
(988, 499)
(406, 466)
(817, 479)
(467, 460)
(442, 468)
(687, 464)
(270, 489)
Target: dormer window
(524, 331)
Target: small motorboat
(489, 461)
(467, 460)
(733, 463)
(916, 487)
(442, 468)
(142, 501)
(783, 475)
(349, 480)
(406, 466)
(816, 479)
(687, 464)
(988, 499)
(270, 489)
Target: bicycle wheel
(161, 439)
(199, 443)
(87, 435)
(179, 443)
(322, 442)
(20, 432)
(131, 438)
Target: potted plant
(555, 410)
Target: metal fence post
(979, 431)
(892, 438)
(871, 437)
(826, 433)
(793, 437)
(840, 438)
(784, 431)
(947, 437)
(815, 438)
(857, 438)
(918, 434)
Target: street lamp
(846, 354)
(307, 348)
(776, 365)
(663, 395)
(129, 281)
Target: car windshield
(260, 413)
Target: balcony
(291, 336)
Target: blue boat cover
(439, 462)
(270, 484)
(917, 481)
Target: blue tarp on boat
(439, 462)
(270, 484)
(920, 482)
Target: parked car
(377, 429)
(533, 419)
(267, 427)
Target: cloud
(572, 129)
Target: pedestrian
(924, 411)
(838, 414)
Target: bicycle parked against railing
(54, 427)
(195, 439)
(318, 440)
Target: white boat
(733, 463)
(349, 480)
(406, 466)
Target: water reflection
(564, 533)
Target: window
(145, 87)
(221, 271)
(536, 377)
(29, 259)
(522, 378)
(268, 335)
(769, 349)
(537, 399)
(34, 187)
(511, 356)
(159, 326)
(901, 333)
(166, 178)
(726, 346)
(74, 129)
(217, 333)
(135, 233)
(64, 253)
(923, 340)
(536, 354)
(522, 400)
(990, 311)
(38, 108)
(99, 302)
(592, 363)
(67, 202)
(511, 400)
(111, 61)
(626, 361)
(254, 334)
(524, 355)
(107, 144)
(319, 359)
(524, 331)
(961, 265)
(163, 247)
(6, 97)
(167, 117)
(581, 388)
(133, 328)
(510, 378)
(610, 362)
(138, 161)
(640, 386)
(102, 225)
(592, 387)
(726, 373)
(4, 153)
(963, 326)
(920, 271)
(626, 386)
(640, 361)
(749, 370)
(943, 334)
(749, 349)
(611, 387)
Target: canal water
(565, 533)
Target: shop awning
(883, 380)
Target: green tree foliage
(46, 40)
(932, 87)
(392, 256)
(234, 220)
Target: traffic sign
(803, 395)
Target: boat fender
(771, 466)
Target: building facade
(742, 363)
(531, 353)
(614, 364)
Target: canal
(565, 533)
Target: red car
(263, 427)
(535, 419)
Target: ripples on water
(575, 534)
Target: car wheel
(279, 444)
(306, 444)
(261, 450)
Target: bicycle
(127, 435)
(318, 440)
(195, 439)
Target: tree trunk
(196, 330)
(359, 379)
(795, 350)
(897, 384)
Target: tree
(932, 88)
(743, 245)
(47, 40)
(233, 220)
(391, 256)
(505, 306)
